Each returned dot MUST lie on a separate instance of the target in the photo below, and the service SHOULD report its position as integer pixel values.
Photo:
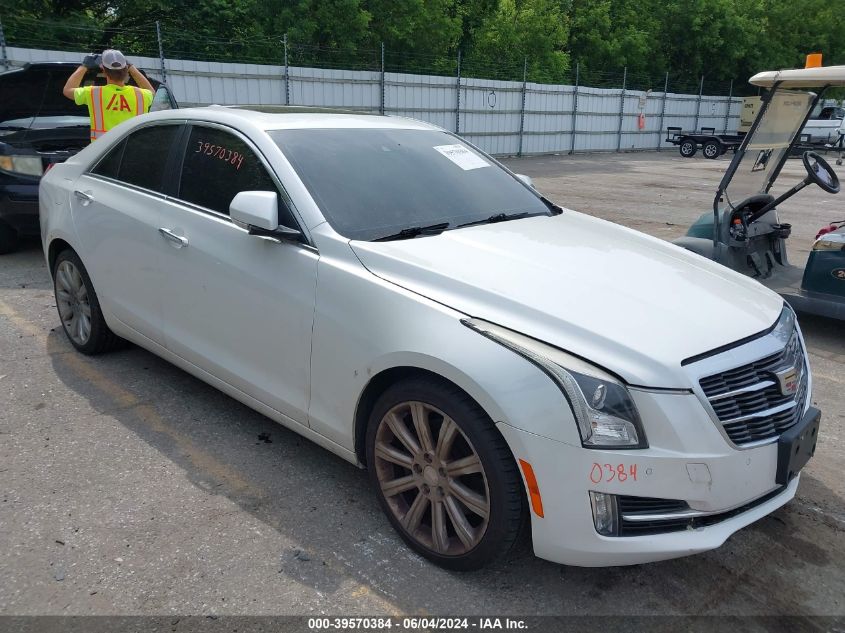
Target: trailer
(712, 145)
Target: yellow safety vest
(111, 105)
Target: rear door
(117, 208)
(238, 306)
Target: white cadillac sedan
(399, 297)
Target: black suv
(40, 127)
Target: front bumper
(688, 459)
(19, 203)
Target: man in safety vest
(115, 102)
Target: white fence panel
(501, 117)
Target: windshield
(371, 183)
(768, 144)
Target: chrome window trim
(773, 341)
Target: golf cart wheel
(688, 148)
(443, 474)
(8, 238)
(79, 308)
(712, 149)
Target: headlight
(603, 408)
(22, 164)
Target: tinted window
(371, 183)
(109, 165)
(217, 166)
(145, 156)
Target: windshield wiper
(498, 217)
(414, 231)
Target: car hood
(632, 303)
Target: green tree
(536, 29)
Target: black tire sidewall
(503, 478)
(688, 153)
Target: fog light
(605, 515)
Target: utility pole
(621, 109)
(728, 106)
(458, 97)
(381, 107)
(522, 108)
(662, 111)
(574, 109)
(161, 53)
(287, 73)
(698, 104)
(3, 57)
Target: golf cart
(743, 232)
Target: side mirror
(526, 179)
(259, 211)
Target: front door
(238, 306)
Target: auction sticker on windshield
(462, 157)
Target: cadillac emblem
(788, 380)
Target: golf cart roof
(801, 77)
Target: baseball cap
(113, 59)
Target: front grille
(748, 400)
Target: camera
(92, 61)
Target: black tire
(101, 338)
(502, 481)
(688, 147)
(8, 239)
(712, 149)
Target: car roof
(287, 117)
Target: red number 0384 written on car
(612, 472)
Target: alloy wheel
(73, 302)
(432, 478)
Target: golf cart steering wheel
(819, 172)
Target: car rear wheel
(79, 308)
(443, 474)
(8, 238)
(688, 148)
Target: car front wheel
(443, 474)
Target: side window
(217, 166)
(109, 165)
(145, 156)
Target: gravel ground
(129, 487)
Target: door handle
(84, 196)
(178, 240)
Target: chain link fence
(500, 107)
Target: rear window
(141, 158)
